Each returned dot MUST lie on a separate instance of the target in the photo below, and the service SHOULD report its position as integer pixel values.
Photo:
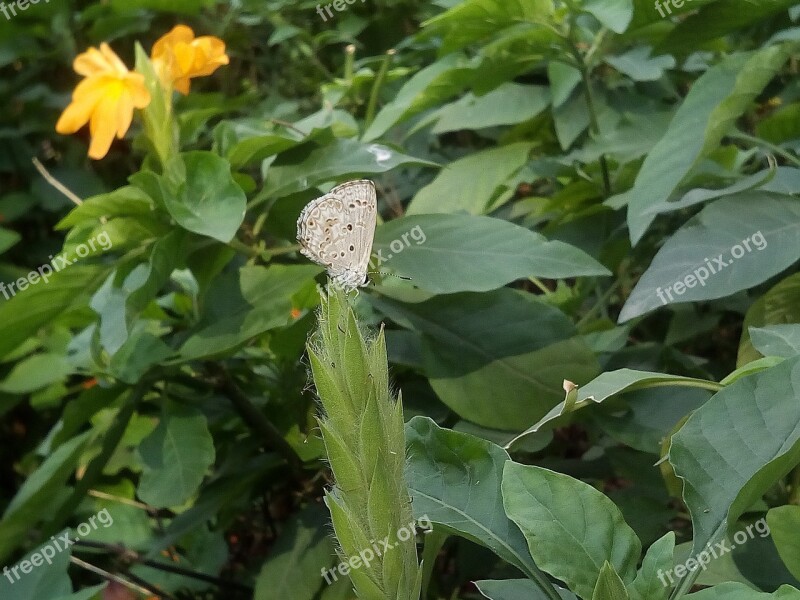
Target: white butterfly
(336, 231)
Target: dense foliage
(584, 290)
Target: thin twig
(110, 576)
(131, 556)
(104, 496)
(288, 125)
(56, 183)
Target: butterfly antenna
(390, 275)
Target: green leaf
(48, 581)
(784, 523)
(609, 585)
(471, 183)
(781, 304)
(720, 18)
(658, 559)
(35, 373)
(716, 100)
(605, 386)
(41, 493)
(640, 66)
(175, 458)
(748, 437)
(517, 589)
(508, 104)
(740, 591)
(8, 239)
(301, 168)
(614, 14)
(474, 20)
(127, 201)
(301, 552)
(433, 84)
(444, 254)
(454, 479)
(571, 528)
(202, 195)
(731, 245)
(497, 359)
(26, 312)
(243, 304)
(776, 340)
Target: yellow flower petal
(179, 57)
(103, 126)
(105, 99)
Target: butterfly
(336, 231)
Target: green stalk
(363, 430)
(95, 469)
(376, 88)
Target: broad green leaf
(48, 581)
(41, 493)
(734, 447)
(244, 304)
(605, 386)
(720, 18)
(517, 589)
(301, 169)
(716, 100)
(776, 340)
(498, 358)
(474, 20)
(640, 66)
(740, 591)
(509, 104)
(781, 304)
(471, 183)
(784, 523)
(27, 311)
(433, 84)
(127, 201)
(781, 126)
(782, 180)
(444, 254)
(609, 585)
(614, 14)
(454, 479)
(247, 141)
(35, 373)
(571, 528)
(658, 559)
(175, 458)
(294, 564)
(202, 195)
(733, 244)
(8, 239)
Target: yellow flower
(105, 99)
(179, 56)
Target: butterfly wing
(337, 229)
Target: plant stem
(598, 305)
(95, 469)
(594, 124)
(255, 419)
(745, 137)
(376, 88)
